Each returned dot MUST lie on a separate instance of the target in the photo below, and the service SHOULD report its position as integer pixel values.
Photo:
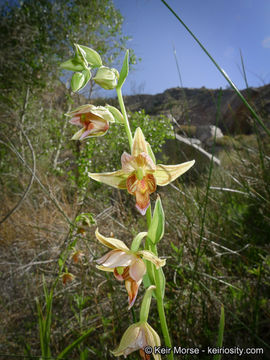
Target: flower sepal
(137, 337)
(92, 57)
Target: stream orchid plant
(140, 175)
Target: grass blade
(220, 332)
(74, 344)
(223, 73)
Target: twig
(33, 172)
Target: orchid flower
(67, 277)
(127, 265)
(139, 174)
(94, 121)
(137, 337)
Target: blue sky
(223, 26)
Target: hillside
(199, 106)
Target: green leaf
(77, 81)
(92, 57)
(72, 65)
(156, 229)
(124, 71)
(220, 332)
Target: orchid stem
(123, 110)
(159, 295)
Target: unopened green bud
(156, 228)
(77, 81)
(92, 57)
(72, 65)
(106, 77)
(81, 55)
(118, 117)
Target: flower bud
(92, 57)
(107, 77)
(77, 256)
(77, 81)
(72, 65)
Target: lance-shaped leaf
(156, 229)
(124, 71)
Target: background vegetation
(217, 218)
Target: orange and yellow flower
(94, 121)
(126, 265)
(139, 174)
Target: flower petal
(129, 340)
(152, 339)
(141, 189)
(78, 134)
(116, 179)
(75, 121)
(104, 268)
(85, 134)
(148, 255)
(137, 270)
(144, 161)
(80, 110)
(139, 143)
(165, 174)
(142, 201)
(116, 258)
(103, 113)
(111, 243)
(128, 162)
(123, 276)
(132, 288)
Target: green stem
(123, 110)
(159, 294)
